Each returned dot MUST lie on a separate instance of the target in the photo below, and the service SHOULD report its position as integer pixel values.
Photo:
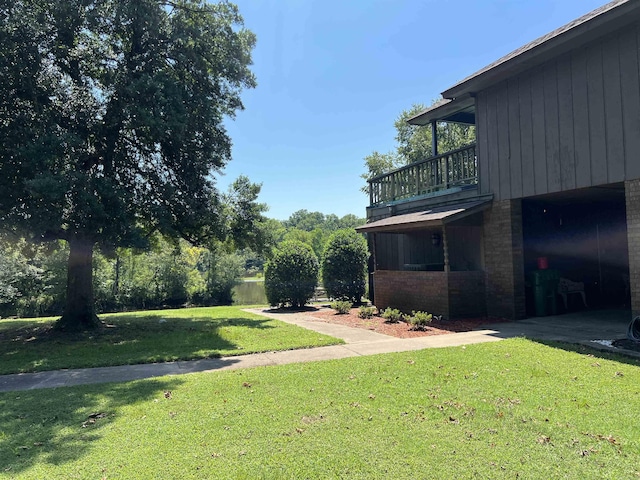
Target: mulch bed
(401, 329)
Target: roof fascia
(442, 111)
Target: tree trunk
(79, 311)
(116, 282)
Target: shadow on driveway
(579, 328)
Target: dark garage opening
(582, 234)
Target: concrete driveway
(576, 327)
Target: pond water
(249, 293)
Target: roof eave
(458, 211)
(442, 110)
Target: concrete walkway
(357, 342)
(580, 327)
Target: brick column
(504, 259)
(632, 196)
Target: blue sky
(334, 75)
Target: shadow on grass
(122, 340)
(14, 323)
(164, 322)
(595, 351)
(62, 427)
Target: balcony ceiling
(459, 110)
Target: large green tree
(244, 221)
(111, 123)
(344, 265)
(413, 143)
(291, 275)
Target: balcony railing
(457, 168)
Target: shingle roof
(433, 217)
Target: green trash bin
(540, 300)
(545, 288)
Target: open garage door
(581, 235)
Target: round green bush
(291, 276)
(344, 265)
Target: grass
(30, 345)
(510, 409)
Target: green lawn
(29, 345)
(511, 409)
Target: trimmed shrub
(366, 312)
(291, 276)
(342, 306)
(419, 320)
(392, 315)
(344, 266)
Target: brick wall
(453, 294)
(504, 260)
(407, 291)
(632, 195)
(467, 294)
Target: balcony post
(447, 168)
(445, 249)
(434, 139)
(393, 186)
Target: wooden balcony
(455, 169)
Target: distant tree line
(312, 228)
(168, 273)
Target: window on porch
(423, 250)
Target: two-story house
(554, 177)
